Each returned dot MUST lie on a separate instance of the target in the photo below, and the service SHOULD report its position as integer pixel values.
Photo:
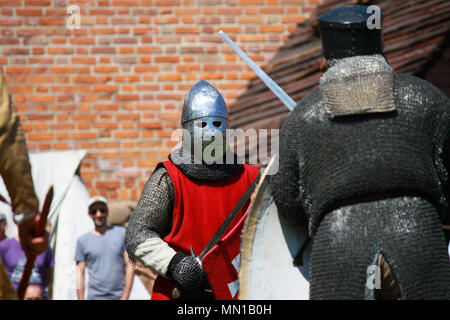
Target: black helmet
(345, 32)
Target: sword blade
(280, 93)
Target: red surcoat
(199, 209)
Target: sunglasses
(94, 211)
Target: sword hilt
(199, 259)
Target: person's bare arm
(129, 276)
(147, 277)
(81, 267)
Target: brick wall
(115, 87)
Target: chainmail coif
(205, 172)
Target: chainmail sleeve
(150, 222)
(442, 151)
(285, 185)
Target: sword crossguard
(196, 257)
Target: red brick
(126, 134)
(10, 2)
(250, 2)
(149, 68)
(22, 89)
(62, 126)
(166, 20)
(57, 50)
(104, 30)
(272, 10)
(129, 155)
(184, 11)
(10, 21)
(166, 3)
(293, 19)
(101, 11)
(149, 49)
(106, 50)
(211, 76)
(84, 79)
(123, 20)
(105, 87)
(83, 135)
(166, 58)
(29, 12)
(55, 12)
(64, 88)
(27, 32)
(82, 40)
(131, 3)
(127, 97)
(127, 116)
(53, 21)
(150, 125)
(105, 125)
(271, 28)
(40, 136)
(252, 38)
(147, 87)
(250, 19)
(41, 98)
(59, 69)
(83, 60)
(106, 69)
(107, 184)
(169, 77)
(147, 163)
(187, 30)
(16, 51)
(107, 145)
(126, 40)
(37, 2)
(41, 60)
(106, 107)
(9, 41)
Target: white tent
(68, 216)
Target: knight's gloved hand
(187, 272)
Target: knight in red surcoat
(187, 198)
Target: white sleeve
(155, 254)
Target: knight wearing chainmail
(364, 163)
(186, 199)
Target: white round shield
(268, 248)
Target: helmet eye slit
(217, 124)
(201, 124)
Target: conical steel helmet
(203, 100)
(204, 119)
